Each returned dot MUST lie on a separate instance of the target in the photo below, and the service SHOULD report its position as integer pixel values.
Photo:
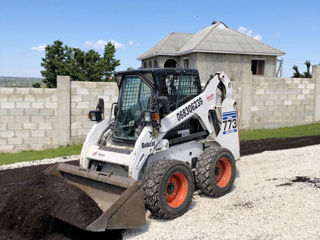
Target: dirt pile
(29, 207)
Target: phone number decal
(189, 109)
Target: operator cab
(140, 91)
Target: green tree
(78, 64)
(36, 84)
(55, 63)
(306, 74)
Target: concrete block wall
(269, 102)
(40, 118)
(27, 118)
(84, 97)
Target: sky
(27, 26)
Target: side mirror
(163, 105)
(100, 105)
(95, 115)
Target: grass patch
(287, 132)
(9, 158)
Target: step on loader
(165, 135)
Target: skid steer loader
(164, 136)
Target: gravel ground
(257, 207)
(40, 162)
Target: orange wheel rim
(222, 172)
(176, 189)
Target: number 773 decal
(229, 122)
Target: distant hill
(18, 81)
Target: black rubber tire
(155, 182)
(205, 171)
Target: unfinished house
(212, 49)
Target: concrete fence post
(63, 110)
(316, 77)
(245, 111)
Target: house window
(186, 63)
(155, 64)
(149, 64)
(145, 65)
(257, 67)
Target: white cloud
(249, 33)
(131, 43)
(101, 43)
(39, 48)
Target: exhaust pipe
(120, 199)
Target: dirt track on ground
(10, 180)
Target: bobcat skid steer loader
(164, 135)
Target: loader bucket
(121, 199)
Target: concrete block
(269, 102)
(23, 104)
(6, 119)
(305, 91)
(45, 126)
(23, 91)
(110, 92)
(310, 86)
(43, 98)
(44, 140)
(7, 134)
(53, 98)
(30, 140)
(32, 112)
(37, 133)
(76, 125)
(30, 125)
(301, 86)
(37, 119)
(288, 80)
(6, 104)
(254, 108)
(15, 141)
(292, 96)
(3, 98)
(50, 104)
(301, 97)
(15, 98)
(6, 148)
(37, 91)
(22, 133)
(47, 112)
(260, 91)
(29, 98)
(82, 91)
(37, 104)
(3, 141)
(3, 126)
(50, 91)
(296, 80)
(287, 102)
(82, 105)
(76, 98)
(4, 111)
(37, 146)
(22, 119)
(6, 90)
(14, 126)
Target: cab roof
(154, 75)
